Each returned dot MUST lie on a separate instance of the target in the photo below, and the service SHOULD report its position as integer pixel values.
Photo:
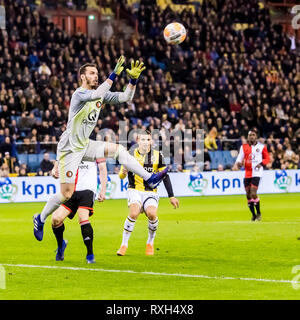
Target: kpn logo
(197, 183)
(282, 180)
(8, 190)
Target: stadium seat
(23, 158)
(40, 157)
(33, 162)
(216, 158)
(234, 154)
(52, 156)
(110, 163)
(228, 160)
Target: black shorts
(251, 182)
(80, 199)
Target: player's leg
(100, 149)
(134, 205)
(52, 204)
(247, 182)
(67, 165)
(255, 198)
(58, 228)
(150, 207)
(57, 199)
(134, 211)
(86, 232)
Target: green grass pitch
(206, 249)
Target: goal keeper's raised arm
(103, 89)
(120, 97)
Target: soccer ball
(174, 33)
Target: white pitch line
(151, 273)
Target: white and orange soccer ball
(174, 33)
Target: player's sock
(257, 205)
(52, 204)
(59, 234)
(251, 207)
(128, 228)
(131, 163)
(152, 227)
(87, 235)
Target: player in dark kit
(254, 155)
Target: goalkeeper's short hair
(82, 69)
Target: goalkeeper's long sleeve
(101, 91)
(127, 95)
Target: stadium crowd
(222, 80)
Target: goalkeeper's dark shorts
(80, 199)
(251, 182)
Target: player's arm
(168, 185)
(265, 158)
(123, 172)
(83, 94)
(102, 90)
(121, 97)
(239, 160)
(55, 171)
(167, 182)
(103, 178)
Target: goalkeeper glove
(136, 69)
(119, 68)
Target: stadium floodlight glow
(91, 17)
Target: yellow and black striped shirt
(153, 162)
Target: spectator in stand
(4, 171)
(44, 69)
(10, 162)
(249, 77)
(210, 140)
(46, 164)
(40, 173)
(23, 172)
(7, 146)
(1, 159)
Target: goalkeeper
(75, 146)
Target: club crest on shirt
(251, 156)
(98, 104)
(69, 174)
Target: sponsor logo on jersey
(92, 117)
(197, 183)
(8, 190)
(98, 104)
(83, 166)
(282, 180)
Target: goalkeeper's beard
(92, 86)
